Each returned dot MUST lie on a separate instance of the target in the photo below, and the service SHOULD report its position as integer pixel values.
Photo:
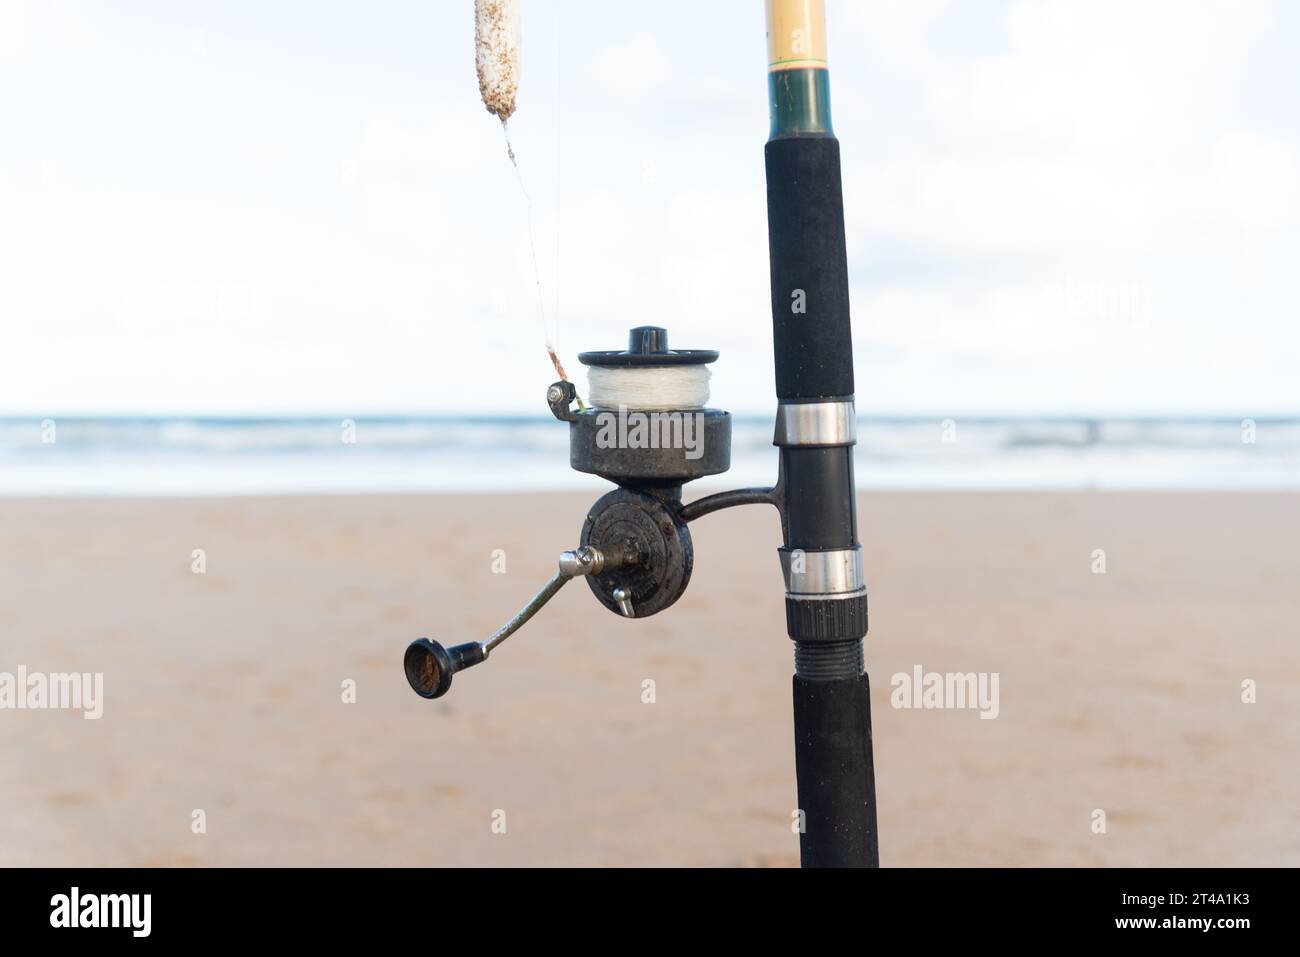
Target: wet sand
(223, 691)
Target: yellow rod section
(796, 34)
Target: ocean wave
(393, 453)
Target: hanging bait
(496, 54)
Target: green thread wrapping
(800, 102)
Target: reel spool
(647, 427)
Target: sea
(200, 456)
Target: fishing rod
(648, 430)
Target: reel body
(649, 450)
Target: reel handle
(429, 666)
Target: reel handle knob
(429, 666)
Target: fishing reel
(648, 431)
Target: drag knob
(429, 666)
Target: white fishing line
(497, 42)
(652, 388)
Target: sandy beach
(224, 691)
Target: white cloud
(30, 29)
(1098, 127)
(1112, 77)
(340, 214)
(634, 66)
(1256, 182)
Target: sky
(238, 208)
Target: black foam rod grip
(833, 764)
(812, 339)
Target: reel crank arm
(429, 666)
